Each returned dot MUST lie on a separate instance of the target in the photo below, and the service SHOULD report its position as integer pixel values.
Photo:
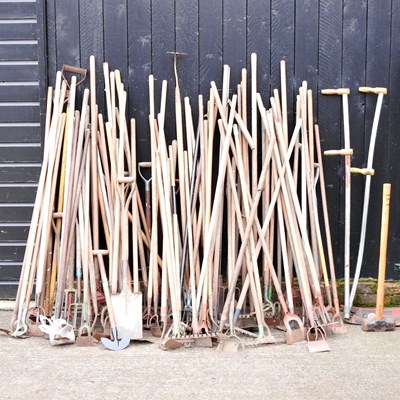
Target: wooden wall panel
(20, 132)
(329, 43)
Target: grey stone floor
(360, 366)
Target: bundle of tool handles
(224, 241)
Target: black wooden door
(328, 43)
(20, 134)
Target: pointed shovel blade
(116, 344)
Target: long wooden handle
(380, 294)
(375, 90)
(339, 91)
(106, 288)
(362, 171)
(341, 152)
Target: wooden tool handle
(100, 252)
(126, 179)
(341, 152)
(376, 90)
(362, 171)
(145, 164)
(380, 294)
(339, 91)
(73, 70)
(106, 288)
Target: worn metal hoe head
(295, 331)
(114, 343)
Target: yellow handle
(362, 171)
(339, 91)
(341, 152)
(376, 90)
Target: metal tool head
(85, 338)
(316, 340)
(295, 331)
(358, 314)
(371, 324)
(170, 344)
(127, 308)
(20, 327)
(114, 343)
(337, 325)
(33, 322)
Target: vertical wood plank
(163, 41)
(354, 31)
(51, 41)
(116, 36)
(210, 45)
(139, 56)
(68, 37)
(306, 44)
(377, 74)
(42, 58)
(234, 39)
(282, 48)
(91, 41)
(393, 141)
(187, 41)
(259, 41)
(330, 117)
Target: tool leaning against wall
(368, 172)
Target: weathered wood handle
(383, 251)
(362, 171)
(339, 91)
(376, 90)
(341, 152)
(145, 164)
(100, 252)
(126, 179)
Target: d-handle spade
(113, 343)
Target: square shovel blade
(127, 307)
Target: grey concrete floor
(360, 365)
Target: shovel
(114, 343)
(127, 306)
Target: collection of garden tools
(217, 242)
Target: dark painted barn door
(20, 134)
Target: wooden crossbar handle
(362, 171)
(100, 252)
(376, 90)
(145, 164)
(58, 214)
(126, 179)
(341, 152)
(339, 91)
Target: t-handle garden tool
(376, 322)
(368, 172)
(113, 343)
(147, 191)
(344, 92)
